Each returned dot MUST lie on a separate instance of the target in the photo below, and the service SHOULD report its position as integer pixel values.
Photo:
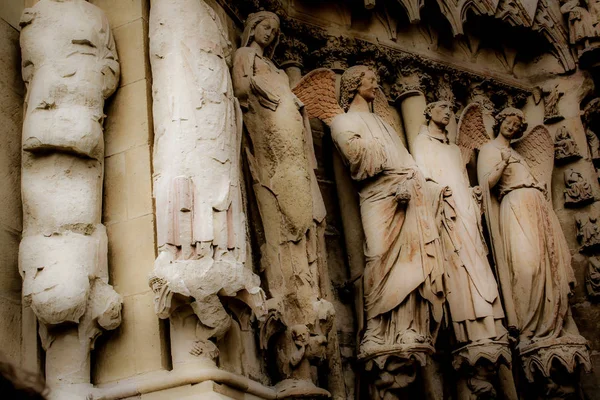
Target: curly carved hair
(509, 112)
(351, 80)
(431, 106)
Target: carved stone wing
(471, 132)
(382, 108)
(317, 91)
(538, 148)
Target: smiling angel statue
(533, 262)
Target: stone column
(412, 106)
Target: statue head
(439, 112)
(510, 123)
(360, 80)
(263, 28)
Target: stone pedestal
(209, 390)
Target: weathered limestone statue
(565, 147)
(588, 231)
(592, 278)
(200, 221)
(578, 192)
(590, 121)
(532, 257)
(403, 293)
(582, 27)
(551, 98)
(282, 163)
(593, 145)
(70, 66)
(471, 290)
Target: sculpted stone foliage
(70, 66)
(200, 220)
(565, 147)
(281, 162)
(471, 290)
(578, 192)
(528, 243)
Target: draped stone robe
(402, 277)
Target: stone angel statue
(472, 294)
(403, 293)
(530, 250)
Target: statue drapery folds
(532, 258)
(403, 290)
(281, 161)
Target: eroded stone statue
(588, 231)
(565, 147)
(403, 292)
(578, 192)
(582, 27)
(282, 163)
(471, 290)
(70, 66)
(531, 253)
(201, 226)
(592, 278)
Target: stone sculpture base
(208, 390)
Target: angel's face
(265, 32)
(368, 86)
(440, 113)
(510, 127)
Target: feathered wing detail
(316, 90)
(538, 149)
(471, 132)
(381, 107)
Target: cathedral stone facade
(280, 199)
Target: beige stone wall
(11, 114)
(138, 345)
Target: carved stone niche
(588, 232)
(578, 191)
(565, 147)
(592, 278)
